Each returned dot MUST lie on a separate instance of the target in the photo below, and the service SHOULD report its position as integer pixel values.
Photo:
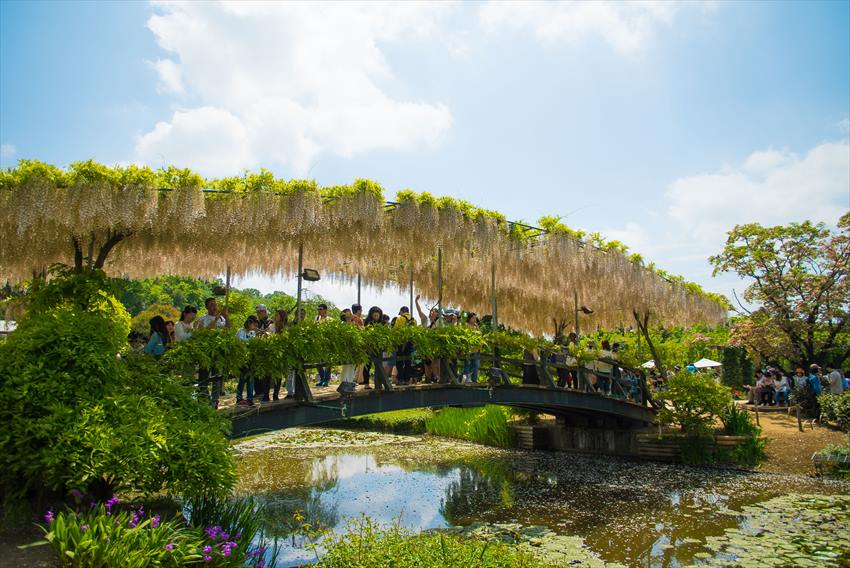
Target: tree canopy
(800, 286)
(139, 223)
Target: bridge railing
(500, 371)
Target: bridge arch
(559, 402)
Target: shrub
(141, 322)
(75, 415)
(694, 402)
(367, 545)
(836, 408)
(107, 535)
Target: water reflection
(639, 514)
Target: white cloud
(207, 139)
(286, 82)
(634, 235)
(844, 125)
(767, 160)
(170, 79)
(771, 188)
(626, 26)
(7, 150)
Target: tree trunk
(78, 254)
(643, 329)
(112, 240)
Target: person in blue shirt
(814, 379)
(160, 338)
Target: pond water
(627, 512)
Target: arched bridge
(333, 406)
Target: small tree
(732, 367)
(694, 401)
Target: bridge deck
(330, 406)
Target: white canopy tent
(706, 364)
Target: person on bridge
(405, 353)
(246, 378)
(209, 381)
(472, 364)
(374, 317)
(433, 320)
(349, 370)
(160, 339)
(186, 325)
(323, 371)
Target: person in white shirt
(183, 329)
(246, 378)
(209, 381)
(783, 388)
(836, 381)
(213, 317)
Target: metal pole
(493, 294)
(575, 297)
(411, 291)
(226, 298)
(300, 270)
(440, 279)
(358, 286)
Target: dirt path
(789, 450)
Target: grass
(486, 425)
(366, 545)
(396, 422)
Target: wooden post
(756, 408)
(358, 287)
(411, 292)
(302, 387)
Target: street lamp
(582, 309)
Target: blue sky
(660, 124)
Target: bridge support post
(543, 374)
(302, 387)
(382, 382)
(447, 374)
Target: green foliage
(108, 536)
(75, 415)
(737, 421)
(731, 361)
(175, 291)
(209, 349)
(486, 425)
(836, 408)
(141, 321)
(694, 402)
(411, 421)
(367, 545)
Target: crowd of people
(402, 366)
(773, 387)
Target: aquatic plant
(365, 544)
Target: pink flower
(48, 517)
(207, 558)
(84, 528)
(155, 522)
(169, 546)
(261, 563)
(207, 549)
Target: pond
(625, 512)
